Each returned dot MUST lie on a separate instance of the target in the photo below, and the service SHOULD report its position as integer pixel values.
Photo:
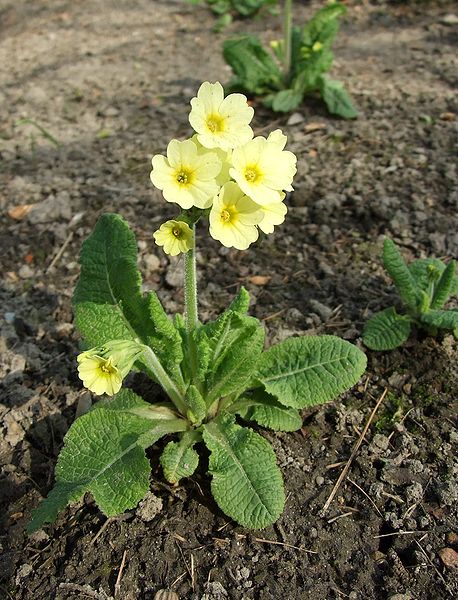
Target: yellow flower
(273, 214)
(102, 369)
(317, 46)
(225, 158)
(263, 169)
(99, 375)
(186, 176)
(233, 218)
(220, 122)
(174, 236)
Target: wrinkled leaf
(401, 275)
(443, 319)
(241, 303)
(309, 370)
(386, 330)
(337, 99)
(236, 345)
(246, 481)
(197, 406)
(179, 459)
(286, 100)
(267, 412)
(446, 286)
(255, 69)
(104, 454)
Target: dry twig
(118, 579)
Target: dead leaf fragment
(18, 213)
(447, 116)
(449, 557)
(311, 127)
(260, 279)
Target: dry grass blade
(353, 454)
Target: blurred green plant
(44, 133)
(227, 9)
(424, 286)
(297, 67)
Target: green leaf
(108, 301)
(401, 275)
(421, 270)
(443, 319)
(57, 499)
(337, 99)
(164, 338)
(247, 8)
(247, 483)
(310, 370)
(324, 25)
(445, 286)
(255, 69)
(179, 459)
(104, 454)
(286, 100)
(236, 344)
(241, 303)
(127, 401)
(197, 406)
(267, 412)
(386, 330)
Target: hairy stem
(163, 378)
(287, 39)
(190, 301)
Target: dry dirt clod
(166, 595)
(449, 557)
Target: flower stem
(190, 286)
(287, 39)
(163, 378)
(190, 302)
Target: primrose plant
(226, 9)
(212, 374)
(424, 287)
(297, 67)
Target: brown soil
(111, 82)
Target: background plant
(226, 9)
(297, 66)
(424, 287)
(211, 373)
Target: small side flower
(233, 218)
(103, 369)
(174, 236)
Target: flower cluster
(238, 180)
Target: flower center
(177, 232)
(225, 216)
(107, 368)
(215, 123)
(183, 177)
(252, 174)
(228, 214)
